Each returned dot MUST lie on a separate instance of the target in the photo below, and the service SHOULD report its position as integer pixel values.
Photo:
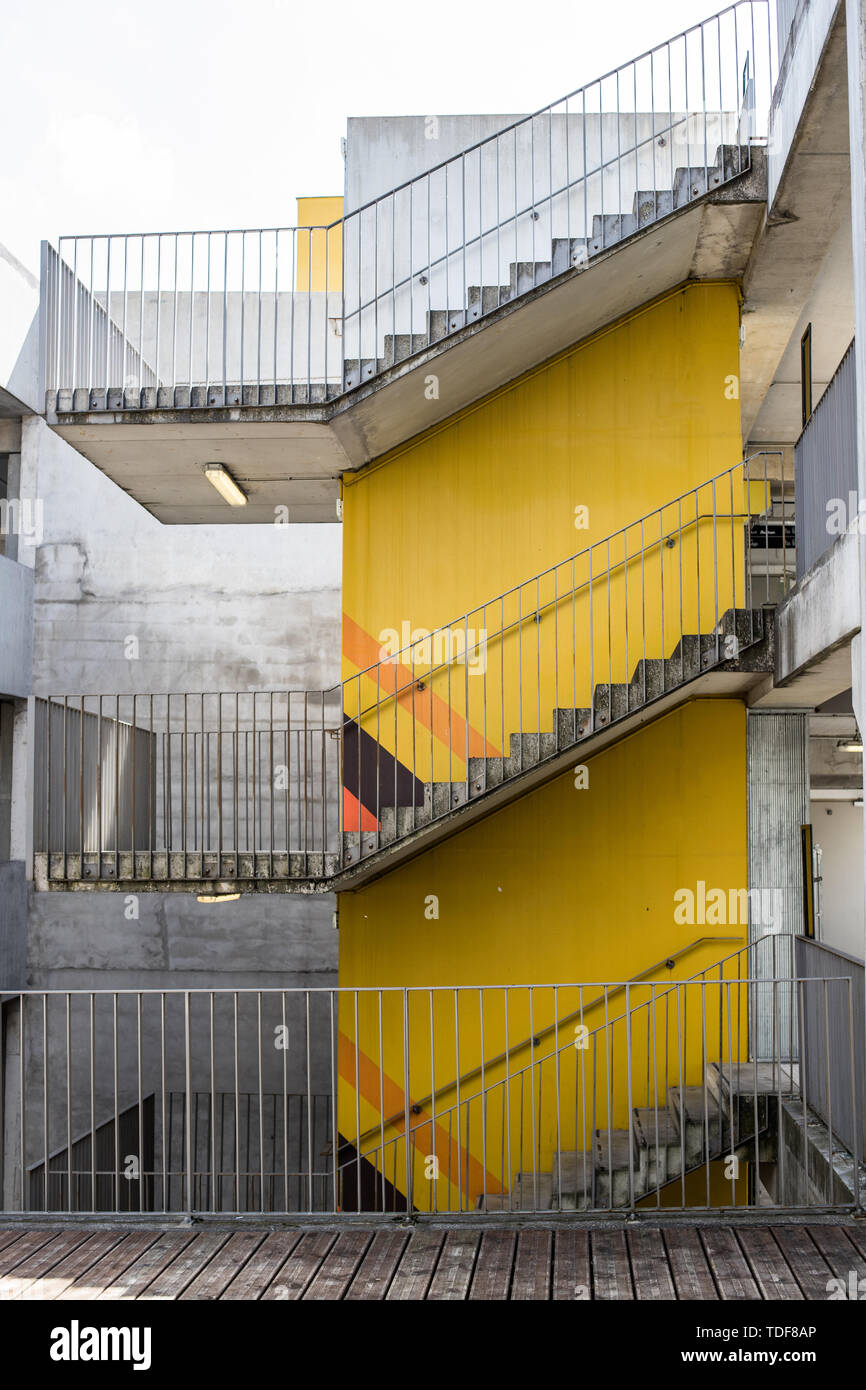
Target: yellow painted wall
(319, 254)
(620, 425)
(561, 886)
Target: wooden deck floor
(711, 1262)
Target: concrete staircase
(693, 1126)
(567, 254)
(652, 678)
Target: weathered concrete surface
(818, 619)
(212, 608)
(78, 942)
(16, 628)
(14, 894)
(207, 609)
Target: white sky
(187, 114)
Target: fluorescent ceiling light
(850, 745)
(225, 485)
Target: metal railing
(825, 468)
(297, 315)
(301, 785)
(822, 1021)
(205, 1101)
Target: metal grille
(595, 1096)
(825, 468)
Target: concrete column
(855, 16)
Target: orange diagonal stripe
(393, 1099)
(392, 678)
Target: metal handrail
(587, 551)
(533, 1039)
(696, 75)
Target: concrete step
(529, 1193)
(572, 724)
(647, 682)
(398, 347)
(650, 204)
(185, 397)
(568, 253)
(689, 657)
(697, 1113)
(609, 228)
(528, 275)
(356, 372)
(614, 1181)
(485, 773)
(610, 702)
(529, 749)
(657, 1132)
(483, 299)
(441, 322)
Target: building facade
(579, 777)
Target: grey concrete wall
(122, 604)
(16, 627)
(209, 608)
(14, 897)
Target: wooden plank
(340, 1266)
(492, 1278)
(768, 1265)
(259, 1271)
(301, 1267)
(649, 1264)
(224, 1265)
(857, 1236)
(572, 1278)
(453, 1274)
(806, 1263)
(415, 1270)
(56, 1280)
(10, 1233)
(131, 1281)
(186, 1266)
(690, 1271)
(843, 1257)
(532, 1261)
(732, 1275)
(94, 1281)
(611, 1274)
(26, 1245)
(40, 1262)
(374, 1275)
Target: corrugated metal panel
(825, 464)
(825, 1025)
(778, 782)
(91, 801)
